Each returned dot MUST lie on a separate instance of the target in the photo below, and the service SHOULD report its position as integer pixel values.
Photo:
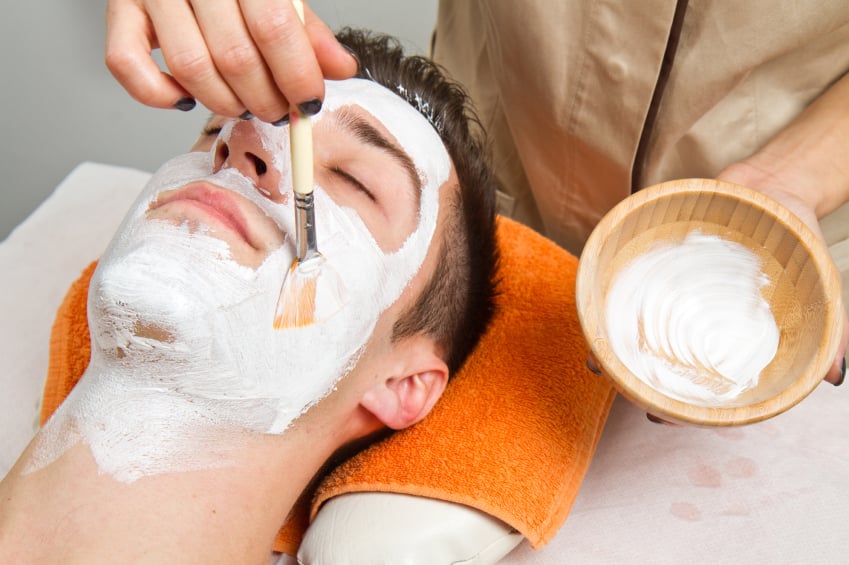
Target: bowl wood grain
(804, 291)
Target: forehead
(410, 129)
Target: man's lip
(229, 209)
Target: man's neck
(71, 508)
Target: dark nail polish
(310, 107)
(593, 368)
(246, 115)
(185, 104)
(355, 57)
(282, 121)
(654, 419)
(842, 373)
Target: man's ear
(410, 390)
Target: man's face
(189, 285)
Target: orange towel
(512, 436)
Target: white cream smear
(690, 320)
(213, 367)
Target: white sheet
(775, 492)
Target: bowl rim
(643, 395)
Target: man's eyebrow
(370, 135)
(210, 127)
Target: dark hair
(457, 303)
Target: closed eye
(211, 131)
(353, 182)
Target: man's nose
(244, 151)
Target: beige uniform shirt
(587, 101)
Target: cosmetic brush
(312, 290)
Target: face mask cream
(183, 349)
(690, 320)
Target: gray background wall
(62, 107)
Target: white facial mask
(183, 346)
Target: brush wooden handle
(299, 7)
(300, 138)
(300, 143)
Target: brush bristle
(296, 305)
(312, 292)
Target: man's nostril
(259, 164)
(221, 154)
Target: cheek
(374, 280)
(352, 252)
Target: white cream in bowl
(690, 320)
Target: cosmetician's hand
(234, 56)
(775, 188)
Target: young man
(197, 423)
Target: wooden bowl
(803, 292)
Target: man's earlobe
(400, 402)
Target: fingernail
(654, 419)
(591, 366)
(842, 373)
(246, 115)
(310, 107)
(354, 56)
(282, 121)
(185, 104)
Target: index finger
(337, 61)
(130, 39)
(282, 39)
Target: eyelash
(211, 131)
(353, 181)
